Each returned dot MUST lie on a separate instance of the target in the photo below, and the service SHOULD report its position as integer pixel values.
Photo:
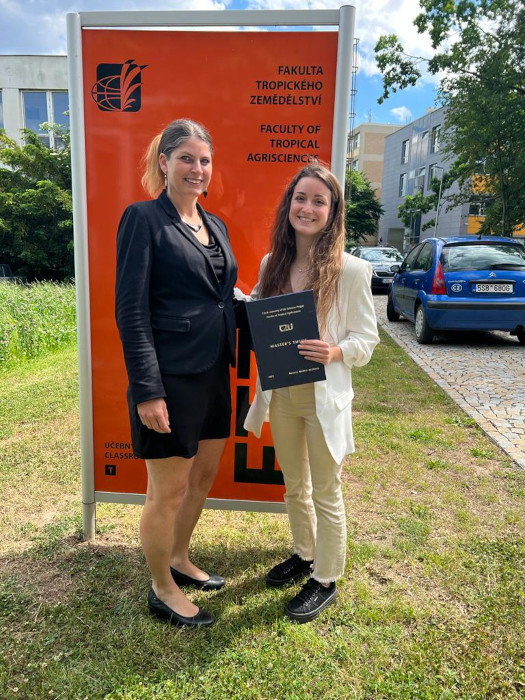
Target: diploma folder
(278, 324)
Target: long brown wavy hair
(173, 136)
(326, 254)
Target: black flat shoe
(212, 583)
(159, 609)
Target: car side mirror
(395, 268)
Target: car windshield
(381, 255)
(482, 256)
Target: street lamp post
(412, 235)
(436, 167)
(413, 218)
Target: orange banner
(267, 99)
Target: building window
(434, 139)
(404, 151)
(432, 173)
(357, 140)
(40, 107)
(403, 185)
(435, 172)
(480, 166)
(424, 143)
(476, 209)
(355, 164)
(419, 181)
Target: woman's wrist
(336, 354)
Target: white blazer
(352, 325)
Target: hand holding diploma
(277, 325)
(320, 351)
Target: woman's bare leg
(167, 486)
(201, 478)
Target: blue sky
(39, 27)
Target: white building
(33, 90)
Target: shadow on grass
(86, 602)
(76, 619)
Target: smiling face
(310, 207)
(188, 169)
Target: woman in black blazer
(174, 292)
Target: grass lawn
(431, 606)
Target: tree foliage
(414, 205)
(479, 54)
(362, 208)
(419, 203)
(36, 226)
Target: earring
(205, 193)
(166, 180)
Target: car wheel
(391, 313)
(424, 333)
(521, 337)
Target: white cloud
(372, 20)
(294, 4)
(389, 17)
(39, 27)
(402, 114)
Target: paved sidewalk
(483, 372)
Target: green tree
(479, 53)
(362, 208)
(36, 226)
(414, 205)
(419, 203)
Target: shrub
(35, 319)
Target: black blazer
(172, 314)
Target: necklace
(194, 227)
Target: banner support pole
(78, 172)
(343, 83)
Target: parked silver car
(385, 262)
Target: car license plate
(493, 288)
(388, 280)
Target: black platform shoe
(311, 599)
(287, 571)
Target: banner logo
(118, 86)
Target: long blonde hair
(173, 136)
(326, 254)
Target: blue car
(464, 283)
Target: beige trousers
(314, 497)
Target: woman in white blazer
(312, 423)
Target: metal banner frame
(342, 20)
